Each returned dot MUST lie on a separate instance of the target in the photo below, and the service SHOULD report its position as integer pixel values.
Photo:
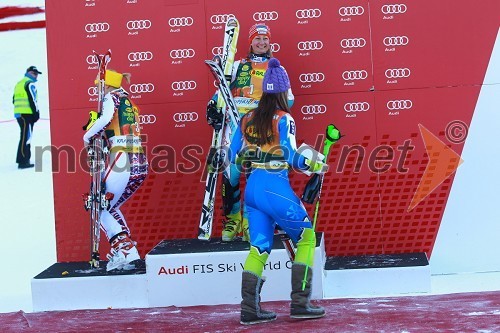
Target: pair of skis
(97, 199)
(221, 68)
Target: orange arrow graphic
(443, 162)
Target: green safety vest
(21, 101)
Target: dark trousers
(26, 122)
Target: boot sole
(307, 316)
(257, 321)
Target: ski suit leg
(124, 175)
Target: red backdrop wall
(375, 69)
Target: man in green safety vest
(27, 114)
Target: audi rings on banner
(265, 16)
(139, 88)
(308, 13)
(275, 47)
(217, 50)
(394, 9)
(138, 24)
(396, 40)
(145, 119)
(97, 27)
(92, 91)
(351, 11)
(182, 53)
(355, 75)
(348, 43)
(220, 18)
(180, 21)
(183, 85)
(311, 77)
(182, 117)
(357, 107)
(394, 73)
(310, 45)
(91, 59)
(140, 56)
(313, 109)
(399, 104)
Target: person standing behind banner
(246, 87)
(265, 142)
(127, 168)
(25, 100)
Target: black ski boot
(251, 313)
(301, 308)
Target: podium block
(193, 272)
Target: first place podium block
(192, 272)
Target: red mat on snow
(468, 312)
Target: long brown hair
(262, 120)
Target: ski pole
(332, 136)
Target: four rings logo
(139, 88)
(357, 107)
(348, 43)
(183, 85)
(92, 91)
(394, 73)
(97, 27)
(145, 119)
(308, 13)
(313, 109)
(354, 75)
(311, 77)
(138, 24)
(400, 104)
(182, 53)
(180, 21)
(182, 117)
(91, 59)
(396, 40)
(310, 45)
(351, 11)
(394, 9)
(265, 16)
(220, 18)
(140, 56)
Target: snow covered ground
(27, 220)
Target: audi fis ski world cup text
(209, 268)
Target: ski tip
(232, 22)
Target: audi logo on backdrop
(97, 27)
(399, 104)
(357, 107)
(182, 117)
(182, 53)
(311, 77)
(138, 88)
(138, 24)
(351, 11)
(275, 47)
(220, 18)
(183, 85)
(308, 13)
(313, 109)
(394, 73)
(265, 16)
(310, 45)
(217, 50)
(396, 40)
(140, 56)
(180, 21)
(394, 9)
(92, 91)
(348, 43)
(354, 75)
(145, 119)
(91, 59)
